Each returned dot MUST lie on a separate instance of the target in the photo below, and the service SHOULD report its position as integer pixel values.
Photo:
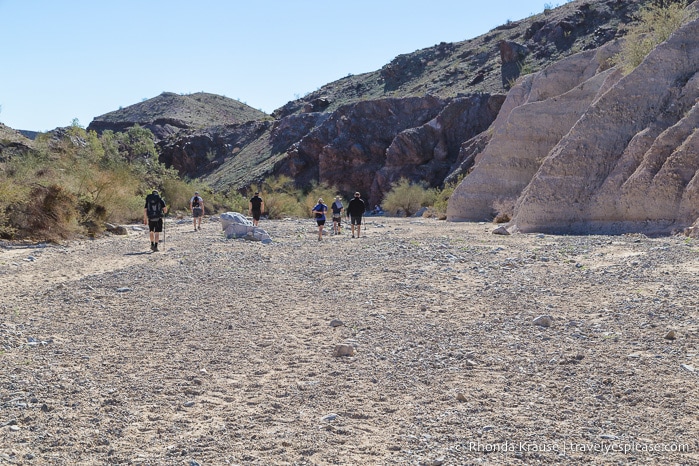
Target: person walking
(196, 205)
(355, 210)
(153, 213)
(257, 205)
(337, 209)
(319, 213)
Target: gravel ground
(216, 351)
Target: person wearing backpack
(153, 213)
(196, 205)
(319, 213)
(337, 209)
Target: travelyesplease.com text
(571, 447)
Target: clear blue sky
(66, 59)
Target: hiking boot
(198, 228)
(155, 247)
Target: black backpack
(195, 202)
(154, 207)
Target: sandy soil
(217, 351)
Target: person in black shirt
(257, 205)
(355, 210)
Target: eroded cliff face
(578, 148)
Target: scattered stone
(501, 230)
(687, 367)
(437, 461)
(543, 321)
(343, 350)
(329, 417)
(336, 323)
(123, 289)
(188, 404)
(671, 335)
(116, 229)
(423, 307)
(608, 437)
(460, 397)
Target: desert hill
(169, 112)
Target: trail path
(220, 351)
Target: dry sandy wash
(216, 351)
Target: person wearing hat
(153, 213)
(196, 205)
(319, 213)
(257, 205)
(355, 211)
(337, 209)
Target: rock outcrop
(366, 146)
(598, 152)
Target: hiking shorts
(337, 218)
(320, 222)
(356, 220)
(256, 214)
(155, 225)
(197, 212)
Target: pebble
(687, 367)
(671, 335)
(336, 323)
(543, 321)
(343, 350)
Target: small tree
(407, 197)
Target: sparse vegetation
(73, 181)
(406, 198)
(654, 25)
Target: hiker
(153, 213)
(196, 205)
(337, 209)
(257, 205)
(319, 212)
(355, 210)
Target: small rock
(123, 289)
(543, 321)
(671, 335)
(423, 307)
(501, 230)
(343, 350)
(188, 404)
(437, 461)
(687, 367)
(336, 323)
(608, 437)
(460, 396)
(329, 417)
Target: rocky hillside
(408, 119)
(13, 143)
(169, 113)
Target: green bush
(442, 198)
(654, 24)
(407, 198)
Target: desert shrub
(439, 208)
(654, 24)
(49, 214)
(407, 198)
(503, 210)
(280, 204)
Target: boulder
(236, 225)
